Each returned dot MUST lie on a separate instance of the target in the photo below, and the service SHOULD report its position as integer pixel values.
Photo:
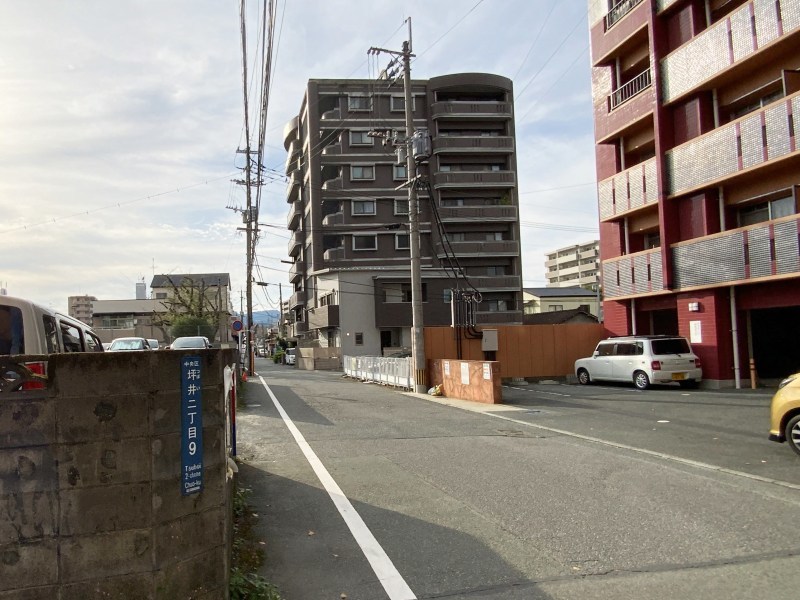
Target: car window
(670, 346)
(605, 349)
(12, 340)
(50, 335)
(71, 336)
(626, 349)
(93, 343)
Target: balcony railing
(482, 144)
(497, 282)
(293, 218)
(466, 110)
(632, 274)
(322, 317)
(334, 253)
(295, 244)
(628, 190)
(459, 179)
(619, 10)
(457, 214)
(758, 251)
(633, 88)
(296, 271)
(497, 317)
(296, 299)
(336, 218)
(293, 188)
(755, 139)
(504, 248)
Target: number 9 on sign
(192, 448)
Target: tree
(185, 325)
(190, 299)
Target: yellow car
(785, 413)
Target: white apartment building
(576, 265)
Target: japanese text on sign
(191, 425)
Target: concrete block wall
(90, 486)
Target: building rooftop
(560, 292)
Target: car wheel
(792, 432)
(641, 380)
(583, 377)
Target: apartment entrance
(775, 347)
(390, 338)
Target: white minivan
(643, 360)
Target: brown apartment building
(696, 106)
(348, 213)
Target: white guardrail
(396, 372)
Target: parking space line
(390, 578)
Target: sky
(120, 124)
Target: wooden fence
(534, 351)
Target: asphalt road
(563, 492)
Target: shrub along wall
(90, 482)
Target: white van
(643, 360)
(290, 356)
(29, 328)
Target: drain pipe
(735, 335)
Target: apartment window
(402, 241)
(400, 172)
(161, 295)
(362, 172)
(398, 103)
(766, 211)
(359, 338)
(455, 237)
(401, 207)
(358, 102)
(447, 296)
(362, 207)
(494, 236)
(555, 307)
(496, 270)
(452, 202)
(651, 240)
(360, 138)
(328, 299)
(365, 242)
(497, 305)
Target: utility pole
(417, 338)
(280, 311)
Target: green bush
(278, 356)
(188, 325)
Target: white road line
(390, 578)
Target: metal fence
(396, 372)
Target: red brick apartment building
(697, 112)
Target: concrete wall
(319, 359)
(90, 497)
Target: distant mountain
(266, 317)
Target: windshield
(671, 346)
(193, 342)
(126, 345)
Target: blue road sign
(191, 425)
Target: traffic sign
(237, 325)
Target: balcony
(619, 10)
(632, 274)
(717, 48)
(296, 271)
(297, 328)
(294, 216)
(470, 110)
(292, 156)
(498, 283)
(474, 179)
(293, 188)
(332, 219)
(296, 299)
(291, 132)
(630, 89)
(461, 214)
(478, 144)
(334, 254)
(755, 139)
(332, 184)
(478, 248)
(323, 317)
(751, 253)
(627, 190)
(332, 115)
(295, 243)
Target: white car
(643, 360)
(290, 356)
